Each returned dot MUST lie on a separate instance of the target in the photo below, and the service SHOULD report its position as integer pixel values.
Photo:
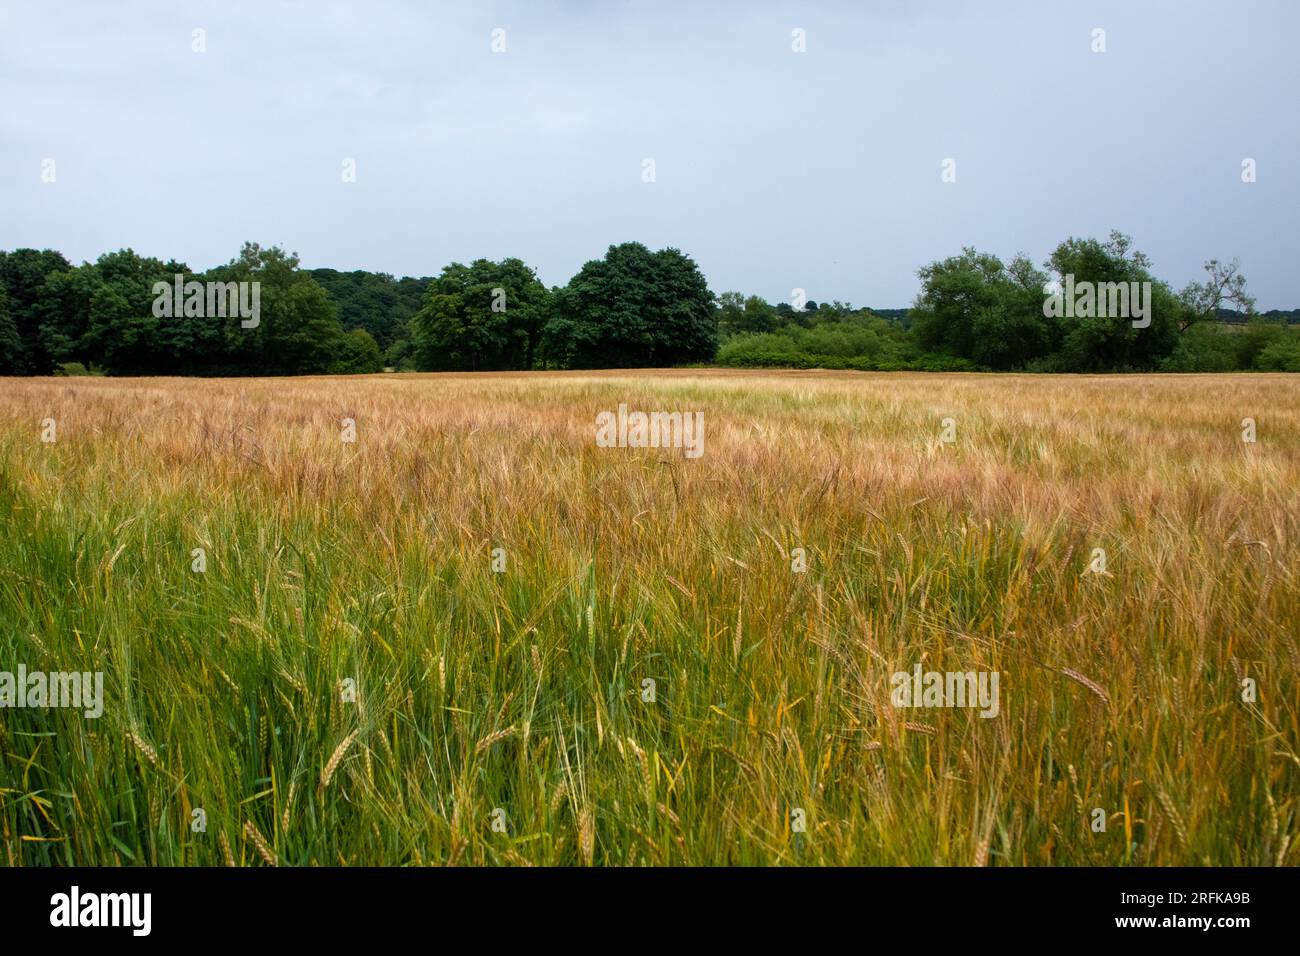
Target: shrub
(76, 369)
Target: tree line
(633, 307)
(975, 312)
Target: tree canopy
(485, 316)
(633, 309)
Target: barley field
(471, 636)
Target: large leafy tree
(23, 273)
(480, 317)
(103, 313)
(62, 313)
(298, 330)
(633, 308)
(1112, 342)
(974, 306)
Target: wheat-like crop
(769, 591)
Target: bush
(1281, 356)
(1203, 348)
(76, 369)
(357, 354)
(931, 362)
(1255, 339)
(862, 342)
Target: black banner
(334, 906)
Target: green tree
(192, 344)
(633, 308)
(973, 306)
(121, 331)
(102, 313)
(740, 315)
(62, 313)
(23, 273)
(298, 330)
(481, 317)
(731, 313)
(358, 354)
(1100, 343)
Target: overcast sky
(773, 169)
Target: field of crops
(429, 619)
